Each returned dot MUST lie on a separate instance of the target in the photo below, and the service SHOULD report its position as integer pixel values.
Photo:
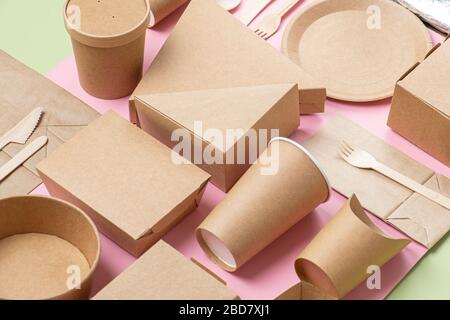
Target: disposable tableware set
(128, 180)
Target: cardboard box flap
(214, 51)
(217, 108)
(23, 90)
(422, 219)
(163, 273)
(139, 183)
(430, 81)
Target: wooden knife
(22, 156)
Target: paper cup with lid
(108, 39)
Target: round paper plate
(357, 49)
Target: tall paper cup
(108, 38)
(345, 251)
(278, 190)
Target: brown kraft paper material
(304, 291)
(261, 110)
(420, 109)
(108, 39)
(159, 9)
(43, 242)
(337, 259)
(420, 218)
(163, 273)
(125, 180)
(214, 51)
(263, 205)
(63, 116)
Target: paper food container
(216, 51)
(163, 273)
(49, 249)
(108, 39)
(159, 9)
(127, 181)
(420, 109)
(337, 259)
(282, 187)
(249, 115)
(304, 291)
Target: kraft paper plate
(358, 49)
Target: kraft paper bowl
(108, 41)
(49, 249)
(264, 204)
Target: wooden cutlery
(271, 23)
(364, 160)
(23, 130)
(22, 156)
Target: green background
(33, 32)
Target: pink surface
(272, 271)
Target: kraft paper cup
(263, 204)
(159, 9)
(108, 39)
(338, 259)
(49, 249)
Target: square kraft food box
(251, 116)
(127, 181)
(162, 273)
(420, 109)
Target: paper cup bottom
(218, 248)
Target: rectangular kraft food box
(420, 109)
(164, 273)
(215, 50)
(125, 180)
(256, 111)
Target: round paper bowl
(49, 249)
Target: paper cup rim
(94, 265)
(311, 157)
(152, 20)
(211, 254)
(109, 41)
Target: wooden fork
(270, 23)
(364, 160)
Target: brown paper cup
(278, 190)
(108, 39)
(49, 249)
(338, 258)
(159, 9)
